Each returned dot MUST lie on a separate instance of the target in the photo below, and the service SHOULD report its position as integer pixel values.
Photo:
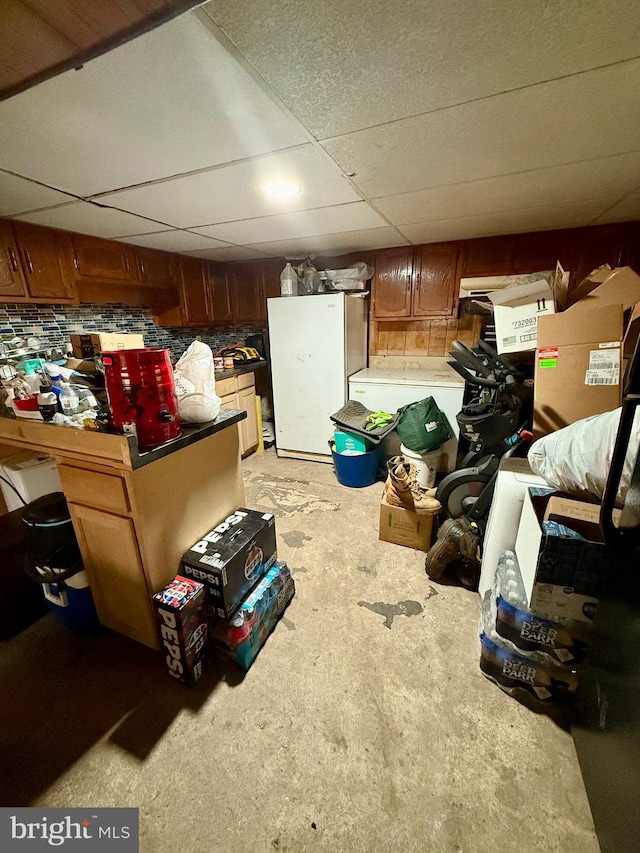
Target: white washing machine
(32, 474)
(391, 388)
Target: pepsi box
(181, 614)
(231, 558)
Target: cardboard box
(182, 622)
(400, 526)
(516, 311)
(605, 286)
(87, 345)
(257, 617)
(232, 558)
(578, 370)
(561, 575)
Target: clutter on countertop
(195, 380)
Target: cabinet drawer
(246, 380)
(104, 491)
(227, 386)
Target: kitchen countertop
(103, 448)
(238, 371)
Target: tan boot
(397, 488)
(423, 502)
(402, 489)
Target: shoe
(458, 538)
(397, 488)
(401, 489)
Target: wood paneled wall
(423, 337)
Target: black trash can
(53, 560)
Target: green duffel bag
(422, 426)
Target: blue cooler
(53, 560)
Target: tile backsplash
(53, 324)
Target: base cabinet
(239, 392)
(112, 561)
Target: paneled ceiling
(400, 122)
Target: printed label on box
(610, 345)
(604, 359)
(547, 357)
(606, 376)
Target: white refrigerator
(316, 343)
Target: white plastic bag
(577, 458)
(196, 385)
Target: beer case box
(181, 615)
(230, 559)
(561, 575)
(401, 526)
(88, 345)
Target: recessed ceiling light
(282, 189)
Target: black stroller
(493, 422)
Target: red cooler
(141, 391)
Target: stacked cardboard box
(582, 352)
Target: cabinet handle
(75, 262)
(418, 277)
(126, 262)
(12, 259)
(27, 258)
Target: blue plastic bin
(356, 471)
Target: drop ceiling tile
(348, 241)
(18, 195)
(609, 176)
(174, 241)
(304, 223)
(229, 253)
(351, 65)
(171, 101)
(543, 218)
(237, 191)
(623, 211)
(87, 218)
(566, 121)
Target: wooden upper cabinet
(43, 254)
(434, 280)
(392, 283)
(12, 283)
(269, 272)
(245, 290)
(488, 256)
(155, 267)
(219, 295)
(94, 257)
(194, 291)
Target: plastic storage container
(426, 465)
(356, 471)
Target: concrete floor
(364, 725)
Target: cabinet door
(434, 280)
(269, 273)
(154, 267)
(249, 426)
(488, 256)
(111, 558)
(43, 252)
(220, 298)
(244, 287)
(96, 258)
(195, 291)
(12, 281)
(602, 244)
(392, 283)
